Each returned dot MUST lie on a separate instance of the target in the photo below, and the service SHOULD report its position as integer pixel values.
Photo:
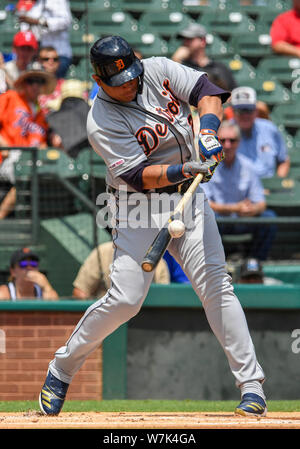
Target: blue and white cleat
(52, 395)
(252, 405)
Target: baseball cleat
(252, 405)
(52, 395)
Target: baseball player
(140, 124)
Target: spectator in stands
(93, 279)
(285, 33)
(193, 54)
(261, 140)
(26, 281)
(251, 272)
(25, 48)
(23, 124)
(49, 60)
(236, 191)
(177, 274)
(50, 21)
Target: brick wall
(31, 341)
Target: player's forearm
(210, 105)
(155, 176)
(285, 48)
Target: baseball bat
(160, 243)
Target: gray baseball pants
(200, 253)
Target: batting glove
(209, 146)
(193, 168)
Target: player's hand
(193, 168)
(209, 146)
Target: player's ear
(97, 79)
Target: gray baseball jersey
(125, 134)
(157, 127)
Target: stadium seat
(277, 184)
(6, 39)
(228, 23)
(270, 90)
(142, 6)
(198, 8)
(287, 116)
(165, 24)
(255, 10)
(148, 44)
(80, 6)
(265, 20)
(251, 46)
(103, 23)
(284, 68)
(242, 70)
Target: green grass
(147, 406)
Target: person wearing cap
(25, 47)
(237, 191)
(26, 281)
(50, 21)
(261, 141)
(22, 123)
(192, 53)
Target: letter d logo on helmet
(114, 61)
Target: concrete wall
(173, 354)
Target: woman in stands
(26, 281)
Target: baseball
(176, 229)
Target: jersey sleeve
(183, 78)
(118, 147)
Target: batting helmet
(114, 61)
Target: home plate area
(138, 420)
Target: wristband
(209, 122)
(175, 173)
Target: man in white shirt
(50, 21)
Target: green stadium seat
(287, 116)
(277, 184)
(195, 8)
(227, 23)
(148, 44)
(282, 68)
(102, 23)
(142, 6)
(294, 155)
(264, 20)
(80, 6)
(242, 70)
(285, 203)
(165, 24)
(6, 39)
(9, 22)
(251, 46)
(270, 90)
(255, 10)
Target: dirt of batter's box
(131, 420)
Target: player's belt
(178, 188)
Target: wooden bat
(160, 243)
